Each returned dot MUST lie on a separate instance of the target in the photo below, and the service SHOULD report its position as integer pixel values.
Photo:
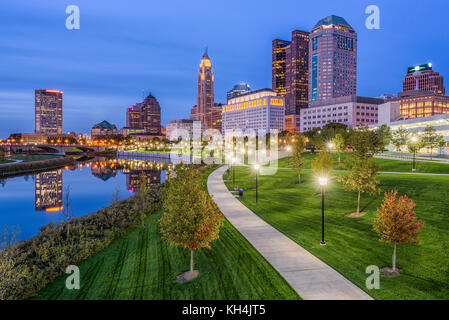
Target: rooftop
(332, 20)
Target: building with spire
(206, 110)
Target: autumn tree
(396, 222)
(297, 161)
(431, 139)
(400, 138)
(361, 177)
(191, 219)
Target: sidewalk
(310, 277)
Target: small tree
(361, 178)
(431, 139)
(141, 202)
(115, 198)
(67, 211)
(297, 161)
(339, 143)
(366, 143)
(396, 222)
(191, 219)
(400, 138)
(322, 164)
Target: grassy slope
(33, 157)
(295, 210)
(140, 265)
(385, 164)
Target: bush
(30, 265)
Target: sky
(125, 48)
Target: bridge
(53, 148)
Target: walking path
(310, 277)
(388, 172)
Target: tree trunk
(191, 260)
(394, 256)
(339, 158)
(358, 203)
(431, 149)
(68, 228)
(299, 177)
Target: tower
(48, 111)
(205, 97)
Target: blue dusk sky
(124, 47)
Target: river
(29, 202)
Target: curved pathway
(310, 277)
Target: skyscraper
(145, 115)
(237, 90)
(290, 61)
(423, 78)
(48, 111)
(206, 110)
(48, 191)
(332, 60)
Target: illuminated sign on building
(427, 66)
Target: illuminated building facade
(133, 178)
(418, 104)
(352, 111)
(290, 75)
(48, 111)
(206, 110)
(423, 78)
(103, 128)
(260, 110)
(145, 115)
(183, 124)
(293, 123)
(332, 60)
(48, 191)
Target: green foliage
(365, 142)
(314, 140)
(431, 139)
(339, 144)
(191, 219)
(400, 138)
(297, 161)
(322, 164)
(32, 264)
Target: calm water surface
(32, 201)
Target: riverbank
(19, 168)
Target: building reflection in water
(48, 191)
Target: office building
(48, 191)
(352, 111)
(206, 110)
(48, 111)
(103, 128)
(418, 104)
(289, 77)
(237, 90)
(145, 115)
(183, 124)
(293, 123)
(261, 110)
(332, 60)
(423, 78)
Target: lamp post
(330, 146)
(323, 183)
(414, 140)
(257, 167)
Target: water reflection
(36, 200)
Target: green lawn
(6, 161)
(33, 157)
(140, 265)
(295, 210)
(385, 164)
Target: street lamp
(257, 167)
(414, 141)
(330, 146)
(289, 148)
(323, 183)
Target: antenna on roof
(143, 93)
(205, 48)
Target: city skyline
(98, 87)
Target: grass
(140, 265)
(295, 210)
(6, 161)
(385, 164)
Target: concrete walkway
(310, 277)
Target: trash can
(241, 193)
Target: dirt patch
(356, 215)
(390, 272)
(187, 276)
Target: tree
(322, 164)
(115, 198)
(384, 136)
(339, 143)
(365, 142)
(67, 212)
(314, 139)
(431, 139)
(141, 203)
(396, 222)
(191, 219)
(361, 177)
(2, 154)
(297, 161)
(400, 138)
(330, 130)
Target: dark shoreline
(17, 169)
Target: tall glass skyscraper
(48, 111)
(332, 60)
